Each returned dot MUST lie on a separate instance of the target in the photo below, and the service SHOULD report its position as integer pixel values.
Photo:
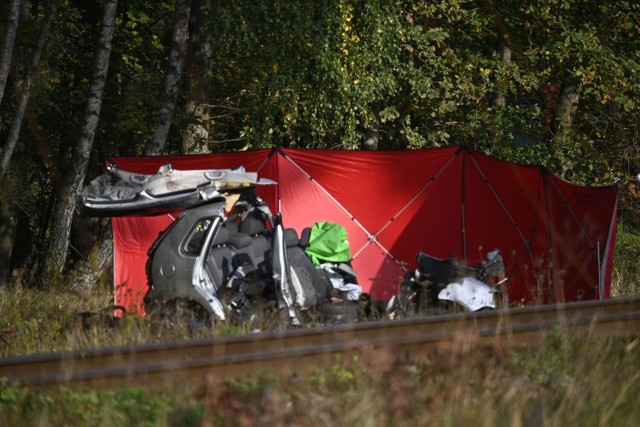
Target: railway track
(193, 363)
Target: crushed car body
(119, 192)
(226, 255)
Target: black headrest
(221, 237)
(291, 237)
(252, 225)
(305, 236)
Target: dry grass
(40, 321)
(565, 381)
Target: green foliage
(319, 74)
(252, 385)
(337, 378)
(135, 74)
(422, 75)
(126, 407)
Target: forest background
(546, 82)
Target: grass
(52, 320)
(567, 380)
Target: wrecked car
(437, 283)
(226, 256)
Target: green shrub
(626, 270)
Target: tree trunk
(563, 114)
(8, 221)
(197, 133)
(500, 100)
(172, 77)
(63, 214)
(13, 19)
(370, 139)
(16, 123)
(198, 74)
(566, 107)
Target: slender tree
(63, 214)
(172, 77)
(499, 100)
(7, 225)
(6, 54)
(16, 124)
(198, 75)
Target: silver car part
(470, 293)
(200, 278)
(281, 274)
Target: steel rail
(193, 363)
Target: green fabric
(328, 243)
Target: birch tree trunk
(65, 206)
(172, 77)
(198, 74)
(16, 123)
(563, 116)
(13, 19)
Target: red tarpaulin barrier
(556, 238)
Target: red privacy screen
(556, 238)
